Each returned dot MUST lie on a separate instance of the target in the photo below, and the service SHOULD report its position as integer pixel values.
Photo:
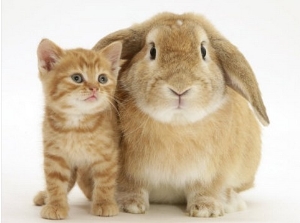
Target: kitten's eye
(153, 52)
(203, 51)
(102, 79)
(77, 78)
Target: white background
(268, 34)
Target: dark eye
(77, 78)
(152, 52)
(203, 52)
(102, 79)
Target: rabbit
(189, 111)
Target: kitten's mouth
(91, 98)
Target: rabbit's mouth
(180, 103)
(180, 100)
(179, 108)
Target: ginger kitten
(80, 133)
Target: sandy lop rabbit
(188, 133)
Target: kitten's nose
(94, 89)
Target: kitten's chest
(82, 144)
(78, 148)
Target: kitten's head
(78, 81)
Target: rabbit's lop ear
(239, 76)
(132, 40)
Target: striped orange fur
(80, 133)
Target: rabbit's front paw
(206, 207)
(134, 205)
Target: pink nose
(94, 89)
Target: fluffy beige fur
(188, 134)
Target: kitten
(80, 127)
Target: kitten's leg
(104, 174)
(85, 182)
(58, 176)
(72, 180)
(40, 198)
(203, 201)
(132, 196)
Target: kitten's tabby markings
(80, 128)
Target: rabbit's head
(179, 66)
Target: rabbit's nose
(179, 93)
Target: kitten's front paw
(206, 207)
(54, 212)
(105, 209)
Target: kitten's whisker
(114, 98)
(113, 105)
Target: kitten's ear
(113, 54)
(48, 54)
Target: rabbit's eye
(152, 52)
(203, 52)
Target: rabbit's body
(187, 133)
(167, 159)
